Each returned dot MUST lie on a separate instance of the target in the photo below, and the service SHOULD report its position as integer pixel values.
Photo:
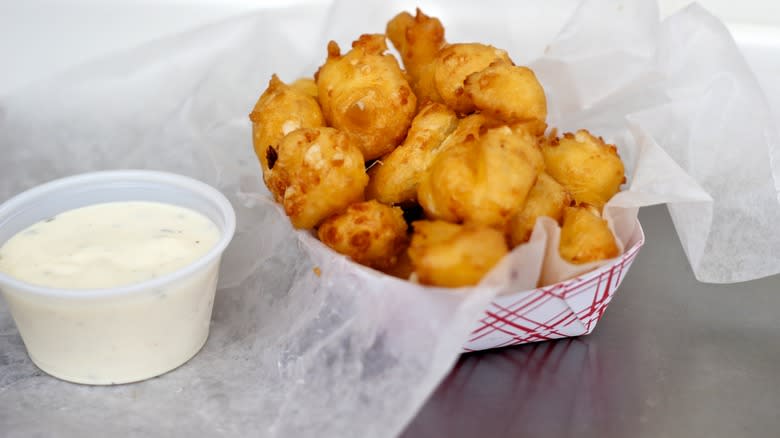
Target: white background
(42, 37)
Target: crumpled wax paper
(351, 352)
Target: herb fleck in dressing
(108, 245)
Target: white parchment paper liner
(351, 352)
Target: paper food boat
(565, 309)
(562, 310)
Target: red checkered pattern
(569, 308)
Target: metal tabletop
(672, 357)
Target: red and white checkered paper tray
(565, 309)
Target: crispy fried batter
(371, 233)
(307, 85)
(317, 172)
(402, 269)
(587, 168)
(482, 180)
(528, 144)
(533, 127)
(585, 237)
(365, 94)
(280, 110)
(508, 93)
(437, 70)
(396, 177)
(547, 198)
(418, 40)
(450, 255)
(454, 63)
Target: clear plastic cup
(122, 334)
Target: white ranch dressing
(108, 245)
(113, 338)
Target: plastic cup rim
(129, 175)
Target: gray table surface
(672, 357)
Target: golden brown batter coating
(454, 63)
(450, 255)
(547, 198)
(315, 173)
(585, 236)
(365, 94)
(403, 267)
(508, 93)
(371, 233)
(394, 179)
(589, 169)
(307, 85)
(418, 40)
(528, 144)
(482, 180)
(280, 110)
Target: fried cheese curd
(589, 169)
(371, 233)
(316, 172)
(476, 125)
(438, 70)
(510, 93)
(482, 180)
(547, 198)
(403, 267)
(585, 236)
(452, 255)
(365, 94)
(395, 177)
(280, 110)
(454, 63)
(418, 40)
(455, 146)
(306, 85)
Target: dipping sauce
(108, 245)
(88, 333)
(113, 292)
